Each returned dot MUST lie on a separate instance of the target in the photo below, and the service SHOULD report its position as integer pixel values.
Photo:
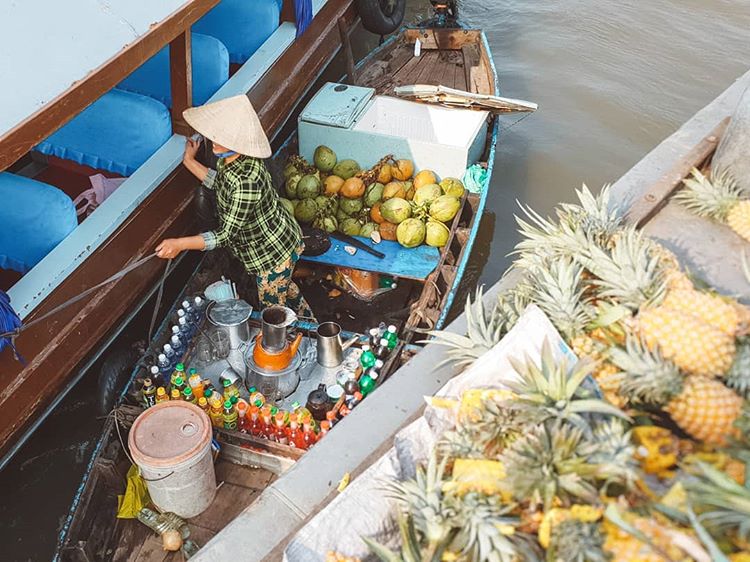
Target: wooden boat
(460, 57)
(154, 202)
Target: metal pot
(231, 316)
(275, 320)
(329, 347)
(274, 385)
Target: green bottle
(367, 359)
(367, 383)
(230, 416)
(179, 384)
(188, 396)
(179, 371)
(391, 336)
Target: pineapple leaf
(594, 406)
(713, 549)
(382, 552)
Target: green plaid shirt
(253, 223)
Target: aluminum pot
(231, 316)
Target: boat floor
(238, 486)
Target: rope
(159, 295)
(13, 328)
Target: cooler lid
(337, 105)
(168, 434)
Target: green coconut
(329, 224)
(373, 194)
(287, 204)
(289, 170)
(350, 226)
(411, 233)
(291, 185)
(395, 210)
(453, 187)
(346, 169)
(351, 206)
(322, 202)
(324, 159)
(368, 229)
(437, 234)
(341, 216)
(444, 208)
(306, 210)
(308, 187)
(426, 194)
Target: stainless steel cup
(330, 349)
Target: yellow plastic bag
(135, 497)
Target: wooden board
(408, 263)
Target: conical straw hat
(233, 123)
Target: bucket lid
(168, 434)
(230, 313)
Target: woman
(252, 222)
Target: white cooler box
(358, 125)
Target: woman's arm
(204, 174)
(171, 247)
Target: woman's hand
(191, 149)
(170, 248)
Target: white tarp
(362, 509)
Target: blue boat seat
(34, 218)
(118, 133)
(241, 25)
(210, 60)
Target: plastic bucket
(171, 444)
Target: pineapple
(709, 308)
(575, 541)
(657, 449)
(674, 277)
(645, 376)
(706, 410)
(695, 347)
(557, 515)
(623, 546)
(718, 198)
(614, 449)
(738, 377)
(556, 390)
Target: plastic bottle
(189, 311)
(187, 395)
(367, 359)
(179, 384)
(255, 396)
(374, 337)
(216, 413)
(161, 395)
(392, 336)
(267, 426)
(382, 351)
(331, 418)
(367, 382)
(175, 395)
(199, 307)
(254, 426)
(165, 367)
(185, 329)
(230, 389)
(325, 427)
(176, 332)
(149, 393)
(230, 416)
(170, 354)
(179, 371)
(156, 377)
(356, 399)
(187, 320)
(294, 434)
(308, 435)
(280, 430)
(203, 404)
(242, 418)
(179, 349)
(196, 383)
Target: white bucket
(171, 444)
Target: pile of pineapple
(646, 465)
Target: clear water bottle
(177, 346)
(170, 354)
(176, 332)
(199, 306)
(185, 329)
(189, 310)
(156, 376)
(163, 364)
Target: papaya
(353, 188)
(403, 170)
(388, 231)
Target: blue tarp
(34, 218)
(210, 62)
(241, 25)
(118, 133)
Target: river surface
(611, 78)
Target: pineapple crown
(738, 376)
(712, 198)
(646, 376)
(577, 540)
(555, 390)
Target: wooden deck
(238, 488)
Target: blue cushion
(118, 132)
(210, 70)
(241, 25)
(34, 218)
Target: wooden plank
(348, 54)
(264, 445)
(151, 550)
(247, 456)
(483, 79)
(443, 39)
(230, 500)
(134, 534)
(656, 197)
(245, 476)
(54, 114)
(401, 77)
(181, 81)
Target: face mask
(226, 154)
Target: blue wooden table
(410, 263)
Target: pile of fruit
(647, 465)
(388, 201)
